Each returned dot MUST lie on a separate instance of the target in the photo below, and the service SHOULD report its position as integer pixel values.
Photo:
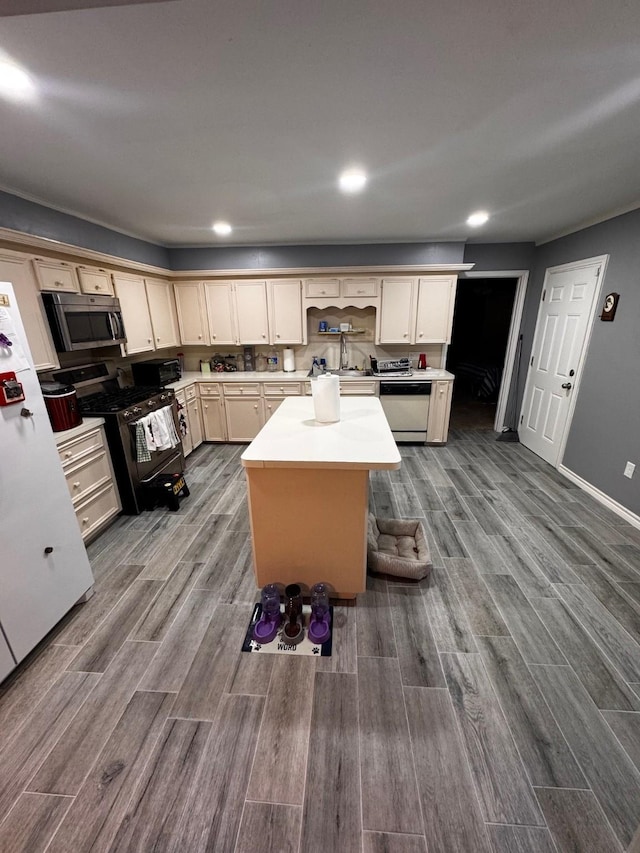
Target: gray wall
(30, 218)
(499, 256)
(605, 431)
(274, 257)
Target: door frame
(603, 260)
(522, 277)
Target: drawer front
(246, 389)
(94, 280)
(282, 389)
(360, 287)
(97, 509)
(181, 397)
(190, 392)
(81, 447)
(53, 275)
(92, 472)
(357, 387)
(320, 287)
(209, 389)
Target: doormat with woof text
(278, 646)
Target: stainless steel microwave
(81, 321)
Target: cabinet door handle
(263, 335)
(214, 336)
(76, 485)
(199, 337)
(85, 520)
(68, 454)
(256, 406)
(149, 340)
(420, 334)
(361, 291)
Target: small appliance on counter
(156, 371)
(391, 366)
(61, 401)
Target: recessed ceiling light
(478, 218)
(14, 82)
(353, 180)
(222, 229)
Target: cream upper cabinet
(396, 320)
(56, 275)
(162, 311)
(251, 312)
(95, 280)
(320, 288)
(17, 269)
(434, 313)
(285, 312)
(192, 312)
(220, 313)
(132, 293)
(360, 286)
(416, 311)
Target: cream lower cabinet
(183, 420)
(439, 412)
(195, 422)
(212, 411)
(244, 410)
(87, 468)
(276, 392)
(18, 270)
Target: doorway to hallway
(476, 356)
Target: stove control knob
(126, 414)
(136, 410)
(151, 403)
(163, 396)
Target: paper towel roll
(326, 398)
(288, 361)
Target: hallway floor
(492, 708)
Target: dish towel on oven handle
(182, 421)
(155, 432)
(160, 430)
(142, 451)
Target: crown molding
(345, 270)
(21, 241)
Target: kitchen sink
(347, 372)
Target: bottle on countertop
(261, 362)
(272, 360)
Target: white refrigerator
(44, 568)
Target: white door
(559, 347)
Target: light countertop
(86, 426)
(189, 377)
(292, 438)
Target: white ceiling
(156, 119)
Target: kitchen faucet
(344, 358)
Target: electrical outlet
(629, 469)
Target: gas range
(122, 409)
(129, 403)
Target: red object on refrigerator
(62, 405)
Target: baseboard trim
(601, 497)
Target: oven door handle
(113, 331)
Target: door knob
(566, 385)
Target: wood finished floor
(494, 707)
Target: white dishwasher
(406, 406)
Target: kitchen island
(308, 492)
